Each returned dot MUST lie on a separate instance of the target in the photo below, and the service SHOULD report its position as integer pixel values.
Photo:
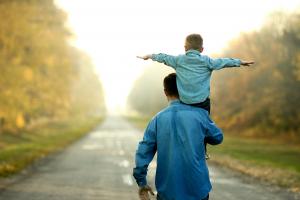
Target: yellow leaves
(297, 64)
(265, 96)
(28, 74)
(7, 92)
(277, 75)
(6, 168)
(50, 61)
(16, 60)
(39, 67)
(20, 121)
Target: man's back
(177, 133)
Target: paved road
(99, 167)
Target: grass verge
(19, 150)
(274, 161)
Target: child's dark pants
(206, 106)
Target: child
(194, 71)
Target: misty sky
(114, 32)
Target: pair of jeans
(159, 198)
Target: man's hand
(146, 57)
(247, 63)
(144, 192)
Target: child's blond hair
(193, 41)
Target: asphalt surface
(99, 167)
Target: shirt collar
(175, 101)
(193, 51)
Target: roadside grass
(20, 150)
(272, 160)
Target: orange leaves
(28, 74)
(20, 121)
(267, 94)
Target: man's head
(194, 41)
(170, 87)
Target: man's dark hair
(170, 85)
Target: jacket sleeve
(145, 153)
(166, 59)
(214, 134)
(219, 63)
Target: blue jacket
(177, 135)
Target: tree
(38, 66)
(147, 96)
(263, 99)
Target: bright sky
(114, 32)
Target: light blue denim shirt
(193, 73)
(177, 135)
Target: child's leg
(206, 106)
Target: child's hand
(146, 57)
(247, 63)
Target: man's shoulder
(182, 108)
(163, 112)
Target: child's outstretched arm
(247, 63)
(146, 57)
(162, 58)
(219, 63)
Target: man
(177, 134)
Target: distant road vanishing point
(99, 167)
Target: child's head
(194, 41)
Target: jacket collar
(192, 51)
(173, 102)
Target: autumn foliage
(42, 77)
(259, 100)
(266, 98)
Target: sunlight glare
(114, 32)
